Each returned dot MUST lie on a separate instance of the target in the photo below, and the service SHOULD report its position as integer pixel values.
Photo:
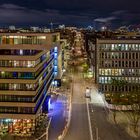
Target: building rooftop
(113, 35)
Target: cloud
(10, 6)
(72, 12)
(118, 12)
(14, 14)
(105, 20)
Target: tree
(116, 97)
(134, 113)
(66, 83)
(85, 67)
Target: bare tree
(133, 100)
(134, 113)
(116, 96)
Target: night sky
(112, 13)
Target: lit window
(112, 46)
(55, 73)
(55, 55)
(40, 80)
(41, 37)
(30, 63)
(137, 47)
(55, 83)
(55, 68)
(55, 49)
(126, 46)
(2, 72)
(21, 52)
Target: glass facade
(15, 110)
(15, 98)
(16, 63)
(19, 98)
(119, 47)
(27, 75)
(17, 75)
(24, 63)
(19, 52)
(27, 110)
(19, 86)
(27, 87)
(119, 61)
(119, 72)
(39, 75)
(14, 40)
(108, 80)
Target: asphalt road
(79, 129)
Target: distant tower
(51, 24)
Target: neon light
(55, 68)
(55, 73)
(55, 83)
(55, 49)
(55, 55)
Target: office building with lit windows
(28, 65)
(117, 59)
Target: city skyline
(69, 70)
(69, 84)
(81, 13)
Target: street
(101, 127)
(79, 129)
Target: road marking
(89, 122)
(97, 137)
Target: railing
(119, 107)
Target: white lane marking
(89, 122)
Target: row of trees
(131, 98)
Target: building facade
(118, 59)
(28, 65)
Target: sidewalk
(102, 120)
(59, 115)
(123, 121)
(96, 97)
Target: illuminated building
(114, 58)
(118, 59)
(28, 65)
